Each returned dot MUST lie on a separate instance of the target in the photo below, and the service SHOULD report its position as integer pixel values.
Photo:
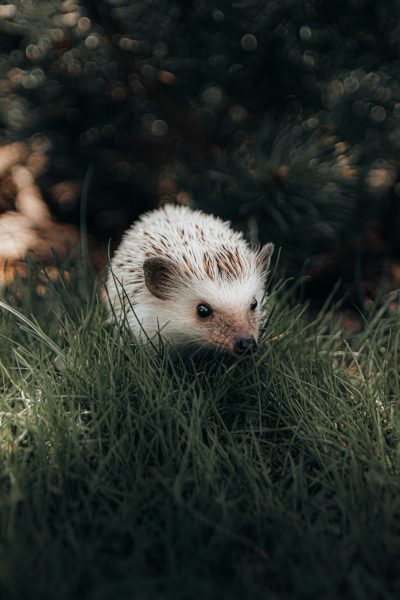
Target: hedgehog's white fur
(211, 264)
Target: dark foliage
(283, 116)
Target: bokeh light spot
(249, 42)
(159, 128)
(378, 114)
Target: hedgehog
(190, 278)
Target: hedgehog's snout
(244, 344)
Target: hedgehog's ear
(160, 276)
(264, 257)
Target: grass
(129, 474)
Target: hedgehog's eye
(203, 310)
(253, 304)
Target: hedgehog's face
(217, 312)
(231, 326)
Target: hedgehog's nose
(242, 344)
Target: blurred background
(282, 116)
